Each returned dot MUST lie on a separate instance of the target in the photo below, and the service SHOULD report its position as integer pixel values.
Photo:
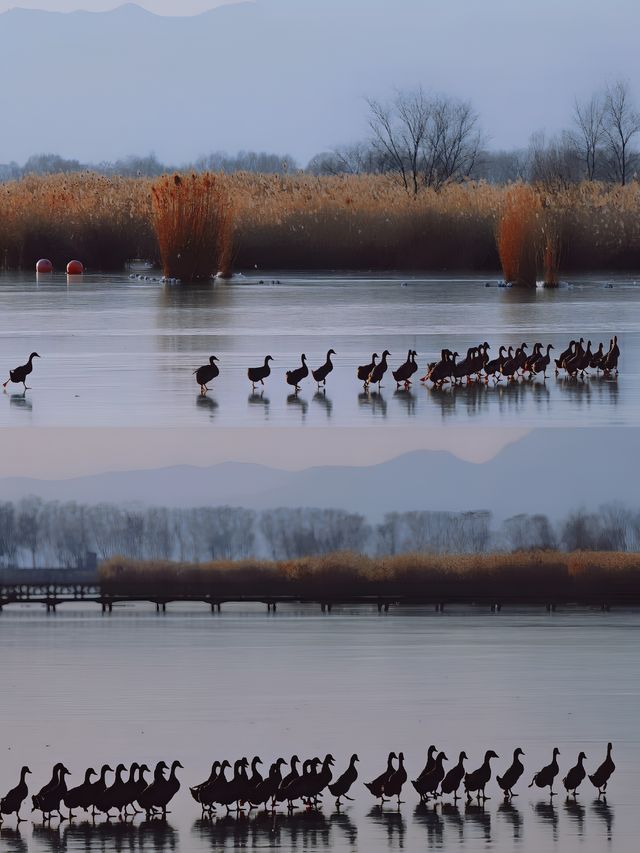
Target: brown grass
(304, 222)
(531, 575)
(193, 221)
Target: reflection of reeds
(304, 222)
(525, 575)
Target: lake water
(121, 352)
(85, 688)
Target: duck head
(212, 359)
(556, 751)
(331, 352)
(354, 758)
(33, 355)
(518, 752)
(267, 359)
(303, 358)
(24, 772)
(489, 754)
(463, 755)
(582, 756)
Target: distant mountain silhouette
(292, 75)
(549, 470)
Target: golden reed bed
(305, 222)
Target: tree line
(49, 534)
(427, 141)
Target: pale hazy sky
(160, 7)
(60, 453)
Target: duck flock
(511, 364)
(129, 792)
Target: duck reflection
(453, 818)
(475, 814)
(156, 834)
(206, 404)
(308, 829)
(510, 814)
(392, 822)
(340, 820)
(374, 401)
(258, 400)
(298, 403)
(21, 401)
(548, 814)
(320, 397)
(576, 813)
(604, 812)
(12, 841)
(428, 817)
(407, 398)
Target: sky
(292, 76)
(159, 7)
(61, 453)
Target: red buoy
(44, 265)
(75, 268)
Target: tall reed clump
(518, 235)
(193, 221)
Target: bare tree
(428, 141)
(621, 125)
(553, 162)
(589, 133)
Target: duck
(81, 796)
(480, 359)
(445, 354)
(19, 374)
(196, 789)
(320, 373)
(511, 774)
(598, 358)
(208, 795)
(511, 366)
(49, 798)
(147, 799)
(128, 793)
(294, 377)
(493, 366)
(167, 789)
(431, 761)
(304, 784)
(288, 779)
(575, 776)
(140, 784)
(463, 368)
(403, 373)
(564, 355)
(600, 778)
(544, 778)
(375, 377)
(13, 799)
(256, 777)
(478, 779)
(572, 361)
(341, 787)
(585, 361)
(97, 788)
(531, 359)
(364, 371)
(414, 364)
(541, 364)
(110, 797)
(443, 369)
(267, 789)
(393, 785)
(454, 777)
(234, 790)
(259, 374)
(427, 783)
(377, 785)
(207, 373)
(321, 780)
(611, 359)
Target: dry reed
(349, 222)
(192, 217)
(534, 575)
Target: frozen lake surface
(85, 689)
(121, 352)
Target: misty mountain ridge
(552, 471)
(256, 75)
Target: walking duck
(511, 775)
(427, 783)
(13, 800)
(207, 373)
(478, 779)
(320, 373)
(545, 778)
(19, 374)
(259, 374)
(341, 787)
(364, 371)
(375, 377)
(377, 785)
(602, 775)
(295, 377)
(575, 776)
(454, 777)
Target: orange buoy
(44, 265)
(75, 268)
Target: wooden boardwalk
(51, 595)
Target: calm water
(122, 352)
(83, 688)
